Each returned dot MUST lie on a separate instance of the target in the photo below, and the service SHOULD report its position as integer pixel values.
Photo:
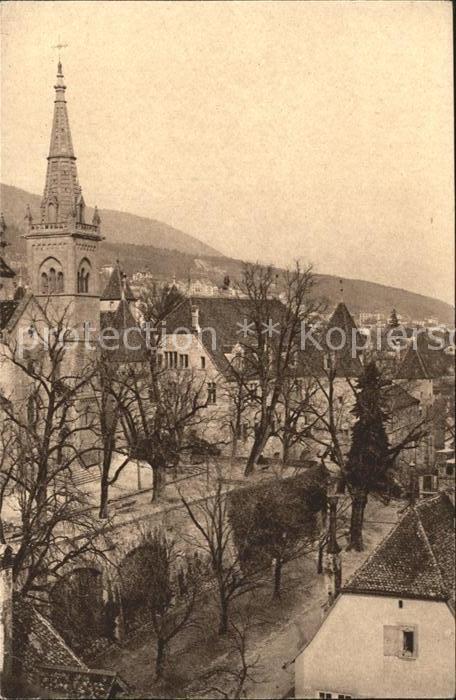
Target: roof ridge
(431, 552)
(58, 636)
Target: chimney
(6, 614)
(333, 565)
(195, 320)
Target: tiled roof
(225, 315)
(398, 399)
(7, 309)
(13, 309)
(50, 665)
(340, 339)
(5, 270)
(122, 320)
(417, 557)
(425, 361)
(113, 290)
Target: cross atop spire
(341, 290)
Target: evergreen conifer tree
(369, 459)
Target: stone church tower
(62, 249)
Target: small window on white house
(400, 641)
(203, 362)
(326, 694)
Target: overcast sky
(270, 130)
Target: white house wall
(346, 656)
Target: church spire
(62, 199)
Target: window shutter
(390, 640)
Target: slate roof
(425, 361)
(5, 270)
(123, 320)
(113, 290)
(416, 559)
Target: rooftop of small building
(416, 559)
(49, 664)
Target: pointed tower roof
(342, 340)
(62, 205)
(62, 191)
(117, 287)
(424, 360)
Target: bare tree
(163, 415)
(242, 667)
(46, 446)
(269, 351)
(165, 585)
(215, 537)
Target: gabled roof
(424, 361)
(416, 559)
(113, 290)
(221, 319)
(5, 270)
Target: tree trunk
(223, 623)
(258, 446)
(157, 483)
(234, 445)
(285, 451)
(104, 491)
(321, 549)
(359, 501)
(277, 578)
(160, 660)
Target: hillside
(118, 226)
(185, 255)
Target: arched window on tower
(52, 281)
(51, 277)
(52, 213)
(84, 276)
(44, 283)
